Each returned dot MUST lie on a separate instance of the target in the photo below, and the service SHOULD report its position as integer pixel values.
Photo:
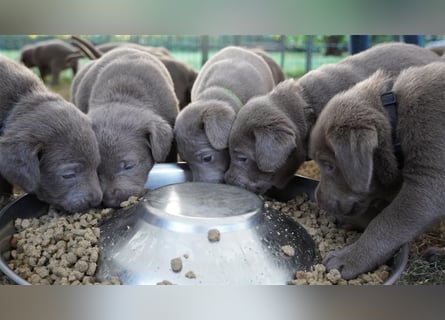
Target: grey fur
(290, 111)
(129, 96)
(47, 146)
(277, 73)
(351, 142)
(50, 57)
(226, 82)
(183, 76)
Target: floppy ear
(19, 164)
(160, 138)
(273, 145)
(354, 153)
(217, 124)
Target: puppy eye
(128, 165)
(206, 158)
(241, 158)
(328, 166)
(70, 175)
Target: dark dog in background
(277, 73)
(47, 146)
(129, 96)
(268, 140)
(50, 57)
(183, 76)
(224, 84)
(354, 142)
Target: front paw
(349, 261)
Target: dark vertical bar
(414, 39)
(309, 44)
(282, 48)
(204, 49)
(359, 43)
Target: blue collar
(389, 102)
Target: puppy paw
(432, 254)
(348, 261)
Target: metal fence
(296, 54)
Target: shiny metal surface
(170, 244)
(173, 221)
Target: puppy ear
(160, 138)
(217, 124)
(354, 152)
(19, 164)
(273, 145)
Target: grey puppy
(129, 96)
(47, 146)
(354, 143)
(226, 82)
(268, 140)
(183, 75)
(50, 57)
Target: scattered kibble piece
(176, 264)
(190, 275)
(214, 235)
(288, 250)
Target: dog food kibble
(288, 250)
(164, 283)
(327, 237)
(131, 200)
(176, 264)
(63, 249)
(58, 248)
(214, 235)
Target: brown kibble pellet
(327, 237)
(214, 235)
(190, 275)
(288, 250)
(57, 248)
(164, 283)
(176, 264)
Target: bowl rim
(399, 260)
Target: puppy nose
(94, 199)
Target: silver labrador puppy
(268, 140)
(47, 146)
(356, 141)
(224, 84)
(129, 96)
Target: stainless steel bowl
(173, 220)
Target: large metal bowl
(173, 219)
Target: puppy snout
(116, 196)
(94, 199)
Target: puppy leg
(411, 212)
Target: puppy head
(202, 133)
(265, 147)
(53, 153)
(345, 140)
(130, 142)
(26, 57)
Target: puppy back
(239, 70)
(16, 82)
